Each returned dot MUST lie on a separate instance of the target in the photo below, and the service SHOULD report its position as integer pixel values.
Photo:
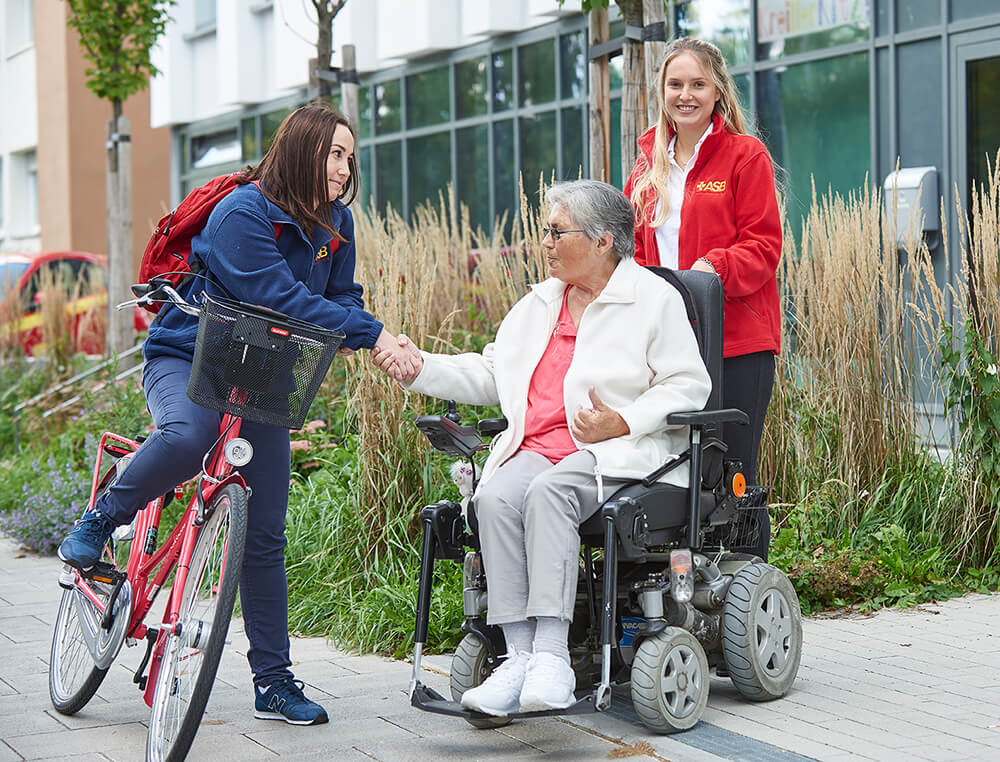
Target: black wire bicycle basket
(259, 364)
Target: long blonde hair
(712, 63)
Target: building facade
(52, 135)
(477, 92)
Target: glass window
(780, 33)
(389, 176)
(269, 124)
(504, 176)
(31, 189)
(537, 73)
(204, 14)
(886, 160)
(970, 9)
(742, 82)
(428, 97)
(574, 132)
(20, 23)
(616, 73)
(983, 117)
(221, 147)
(472, 150)
(573, 61)
(882, 16)
(387, 107)
(503, 80)
(364, 112)
(365, 168)
(10, 274)
(726, 23)
(616, 143)
(249, 139)
(471, 96)
(428, 168)
(920, 92)
(915, 14)
(538, 152)
(809, 112)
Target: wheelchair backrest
(702, 293)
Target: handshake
(397, 357)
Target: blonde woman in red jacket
(705, 199)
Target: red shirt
(730, 217)
(546, 430)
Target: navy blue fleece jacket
(295, 274)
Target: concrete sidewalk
(900, 685)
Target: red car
(83, 275)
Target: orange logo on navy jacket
(323, 253)
(710, 186)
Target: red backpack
(168, 253)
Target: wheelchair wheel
(670, 681)
(469, 667)
(762, 633)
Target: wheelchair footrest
(429, 700)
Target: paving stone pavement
(919, 684)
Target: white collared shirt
(668, 234)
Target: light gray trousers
(529, 513)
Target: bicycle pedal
(103, 572)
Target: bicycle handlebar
(158, 290)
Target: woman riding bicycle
(283, 239)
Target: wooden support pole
(653, 13)
(600, 101)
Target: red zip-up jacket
(729, 217)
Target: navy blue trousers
(172, 454)
(747, 382)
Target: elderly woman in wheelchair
(586, 368)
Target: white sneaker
(499, 694)
(548, 684)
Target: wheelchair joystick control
(452, 414)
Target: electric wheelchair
(664, 593)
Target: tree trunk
(633, 87)
(653, 13)
(120, 332)
(600, 103)
(324, 46)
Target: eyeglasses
(556, 233)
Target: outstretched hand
(597, 423)
(397, 357)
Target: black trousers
(747, 381)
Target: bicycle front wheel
(73, 676)
(191, 657)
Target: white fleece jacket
(634, 345)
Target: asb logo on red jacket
(710, 186)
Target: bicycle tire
(73, 676)
(185, 681)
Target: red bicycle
(250, 362)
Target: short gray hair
(598, 208)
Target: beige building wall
(72, 129)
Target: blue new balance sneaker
(84, 544)
(284, 700)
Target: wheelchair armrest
(490, 427)
(707, 417)
(449, 437)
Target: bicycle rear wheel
(191, 658)
(73, 676)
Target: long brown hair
(713, 64)
(293, 171)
